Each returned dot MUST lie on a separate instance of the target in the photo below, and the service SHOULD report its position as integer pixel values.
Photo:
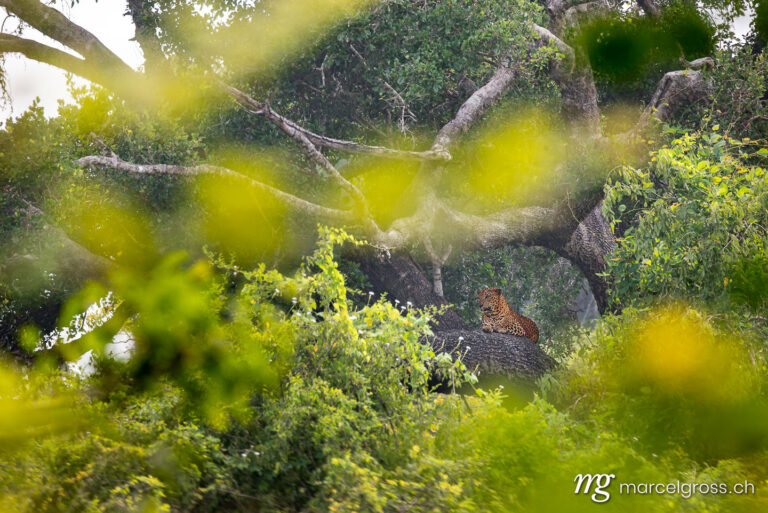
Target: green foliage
(347, 382)
(624, 48)
(738, 100)
(143, 457)
(400, 67)
(274, 391)
(687, 222)
(42, 187)
(673, 381)
(427, 49)
(349, 422)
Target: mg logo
(601, 481)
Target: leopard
(499, 317)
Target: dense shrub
(337, 413)
(688, 222)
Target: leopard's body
(499, 317)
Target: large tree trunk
(401, 278)
(587, 247)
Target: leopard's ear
(496, 290)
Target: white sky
(28, 79)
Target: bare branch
(315, 155)
(403, 105)
(298, 204)
(311, 150)
(256, 107)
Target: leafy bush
(687, 223)
(337, 414)
(738, 100)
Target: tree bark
(401, 278)
(495, 354)
(147, 24)
(587, 247)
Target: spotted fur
(499, 317)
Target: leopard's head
(488, 299)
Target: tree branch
(146, 23)
(55, 25)
(314, 154)
(256, 107)
(437, 265)
(650, 8)
(298, 204)
(703, 63)
(48, 55)
(676, 90)
(98, 64)
(569, 59)
(474, 107)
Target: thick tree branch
(48, 55)
(299, 205)
(474, 107)
(146, 23)
(703, 63)
(98, 65)
(55, 25)
(650, 8)
(557, 8)
(495, 355)
(573, 75)
(676, 90)
(509, 226)
(129, 89)
(569, 56)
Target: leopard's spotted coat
(499, 317)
